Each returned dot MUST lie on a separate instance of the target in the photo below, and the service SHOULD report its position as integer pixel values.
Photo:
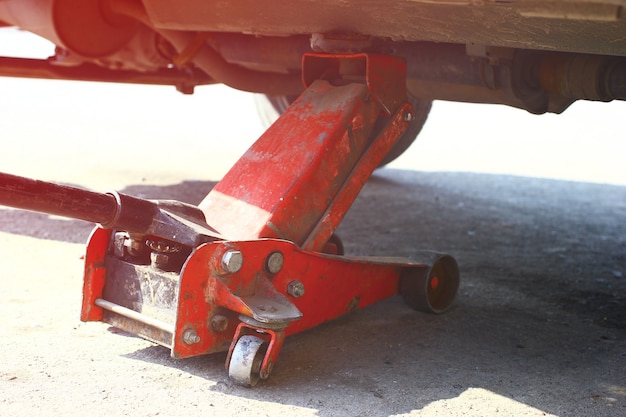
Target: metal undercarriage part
(538, 56)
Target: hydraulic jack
(258, 259)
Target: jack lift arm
(257, 260)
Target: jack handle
(111, 210)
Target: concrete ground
(535, 217)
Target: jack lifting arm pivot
(246, 267)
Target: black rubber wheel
(431, 289)
(270, 107)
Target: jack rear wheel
(431, 289)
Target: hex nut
(275, 262)
(190, 337)
(295, 289)
(232, 261)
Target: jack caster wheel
(245, 362)
(431, 289)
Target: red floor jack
(257, 260)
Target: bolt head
(232, 261)
(295, 289)
(275, 262)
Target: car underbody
(540, 56)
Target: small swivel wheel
(246, 360)
(431, 289)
